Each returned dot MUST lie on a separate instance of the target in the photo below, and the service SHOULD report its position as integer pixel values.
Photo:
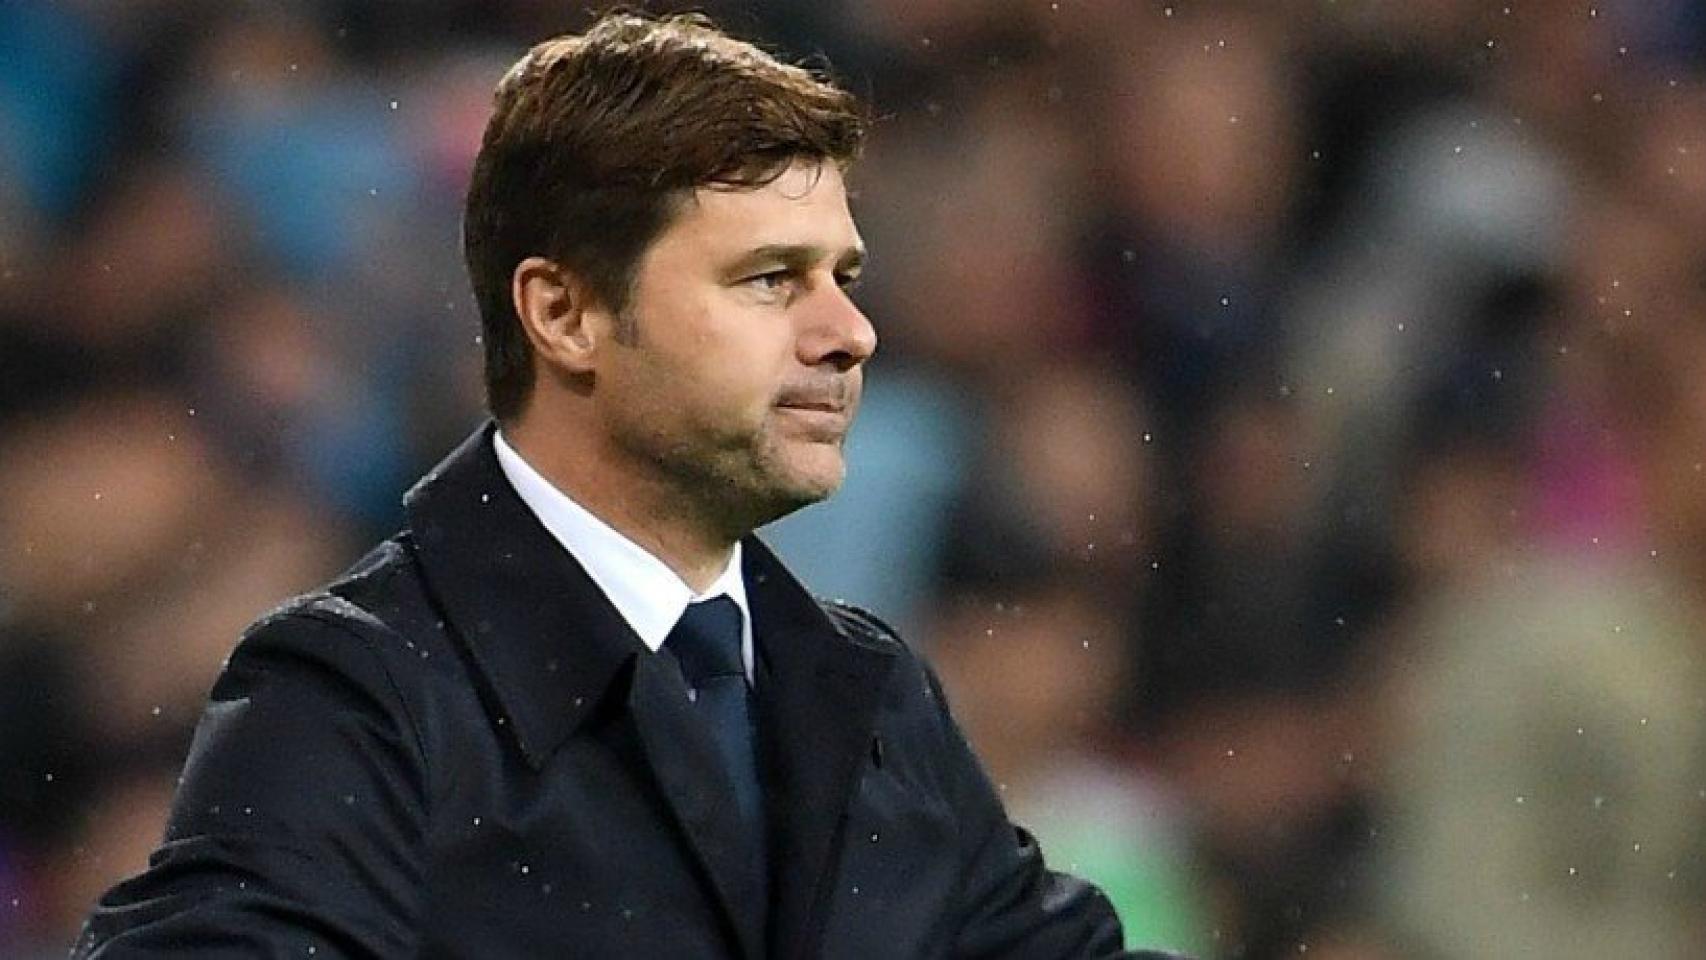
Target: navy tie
(707, 643)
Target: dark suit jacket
(460, 749)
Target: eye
(847, 281)
(771, 281)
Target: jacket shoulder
(379, 595)
(862, 624)
(378, 605)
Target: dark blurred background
(1287, 437)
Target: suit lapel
(818, 699)
(683, 761)
(545, 638)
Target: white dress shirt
(644, 590)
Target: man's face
(744, 369)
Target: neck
(663, 520)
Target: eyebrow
(799, 256)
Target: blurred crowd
(1287, 438)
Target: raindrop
(393, 104)
(873, 836)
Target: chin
(805, 485)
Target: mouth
(815, 406)
(824, 420)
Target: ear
(555, 309)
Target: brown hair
(596, 139)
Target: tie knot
(707, 641)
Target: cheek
(714, 391)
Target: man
(574, 708)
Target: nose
(836, 331)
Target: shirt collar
(642, 588)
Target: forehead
(806, 205)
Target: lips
(819, 406)
(818, 420)
(829, 396)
